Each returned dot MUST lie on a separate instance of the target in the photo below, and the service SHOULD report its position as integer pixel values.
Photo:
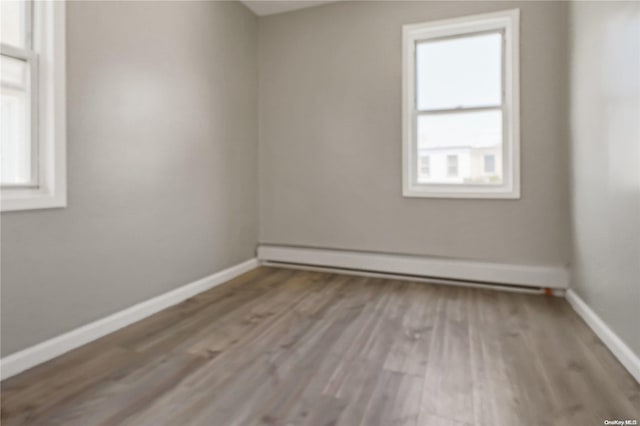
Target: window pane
(452, 165)
(457, 144)
(489, 163)
(424, 166)
(459, 72)
(13, 22)
(15, 144)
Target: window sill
(31, 199)
(468, 192)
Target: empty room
(320, 213)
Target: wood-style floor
(283, 347)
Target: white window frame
(507, 22)
(48, 111)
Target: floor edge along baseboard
(32, 356)
(611, 340)
(542, 276)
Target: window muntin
(460, 97)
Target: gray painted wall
(162, 166)
(330, 138)
(605, 126)
(162, 154)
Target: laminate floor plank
(279, 347)
(584, 378)
(279, 372)
(448, 377)
(250, 364)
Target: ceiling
(267, 7)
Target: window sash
(461, 107)
(414, 146)
(48, 41)
(30, 57)
(458, 110)
(506, 21)
(415, 112)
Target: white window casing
(48, 111)
(505, 23)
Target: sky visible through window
(459, 72)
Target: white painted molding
(552, 276)
(49, 349)
(506, 22)
(618, 348)
(412, 278)
(49, 108)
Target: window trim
(506, 21)
(49, 114)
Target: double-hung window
(32, 105)
(460, 106)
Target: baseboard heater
(421, 278)
(517, 278)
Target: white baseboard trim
(552, 276)
(49, 349)
(618, 348)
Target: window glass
(32, 129)
(489, 163)
(468, 135)
(424, 168)
(452, 165)
(15, 145)
(459, 72)
(15, 149)
(478, 129)
(13, 23)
